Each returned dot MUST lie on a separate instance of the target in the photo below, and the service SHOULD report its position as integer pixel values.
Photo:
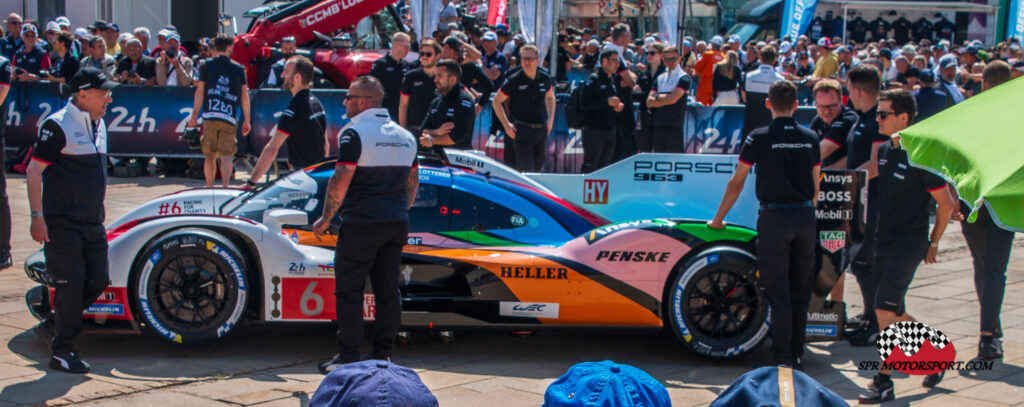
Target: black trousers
(5, 209)
(625, 136)
(667, 140)
(375, 250)
(76, 258)
(990, 248)
(598, 147)
(645, 136)
(861, 264)
(529, 146)
(785, 258)
(509, 156)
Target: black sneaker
(989, 348)
(7, 262)
(328, 366)
(878, 391)
(866, 337)
(68, 362)
(932, 380)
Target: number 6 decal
(310, 296)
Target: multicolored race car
(482, 252)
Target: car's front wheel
(714, 306)
(190, 287)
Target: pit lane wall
(147, 121)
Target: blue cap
(885, 52)
(500, 27)
(372, 383)
(760, 387)
(687, 44)
(605, 384)
(926, 76)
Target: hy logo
(832, 240)
(915, 348)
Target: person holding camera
(173, 67)
(65, 66)
(135, 68)
(30, 59)
(220, 91)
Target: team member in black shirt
(450, 118)
(667, 101)
(220, 91)
(902, 234)
(832, 124)
(418, 88)
(601, 107)
(477, 84)
(862, 154)
(66, 185)
(390, 69)
(302, 126)
(531, 110)
(374, 184)
(788, 167)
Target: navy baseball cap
(605, 384)
(372, 383)
(885, 52)
(90, 78)
(926, 76)
(761, 387)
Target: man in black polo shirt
(390, 69)
(861, 145)
(788, 163)
(374, 184)
(601, 107)
(418, 88)
(6, 261)
(66, 185)
(302, 126)
(667, 102)
(450, 119)
(531, 110)
(832, 124)
(220, 91)
(902, 238)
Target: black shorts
(894, 267)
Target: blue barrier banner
(796, 17)
(147, 121)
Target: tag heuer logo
(832, 240)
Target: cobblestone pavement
(275, 365)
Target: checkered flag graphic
(909, 336)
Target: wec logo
(529, 307)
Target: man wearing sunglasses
(30, 59)
(902, 237)
(66, 182)
(418, 88)
(11, 43)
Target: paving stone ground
(275, 365)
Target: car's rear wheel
(714, 306)
(190, 287)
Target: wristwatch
(934, 244)
(36, 214)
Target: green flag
(978, 144)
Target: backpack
(574, 108)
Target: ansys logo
(915, 348)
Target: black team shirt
(390, 73)
(305, 123)
(905, 196)
(455, 107)
(526, 97)
(837, 132)
(421, 91)
(785, 154)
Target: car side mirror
(275, 218)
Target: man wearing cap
(374, 184)
(705, 69)
(844, 55)
(948, 80)
(495, 63)
(827, 65)
(66, 181)
(530, 94)
(30, 59)
(512, 48)
(788, 162)
(11, 43)
(302, 126)
(288, 49)
(135, 68)
(220, 91)
(110, 33)
(929, 99)
(173, 67)
(65, 65)
(49, 37)
(755, 91)
(903, 241)
(888, 71)
(390, 69)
